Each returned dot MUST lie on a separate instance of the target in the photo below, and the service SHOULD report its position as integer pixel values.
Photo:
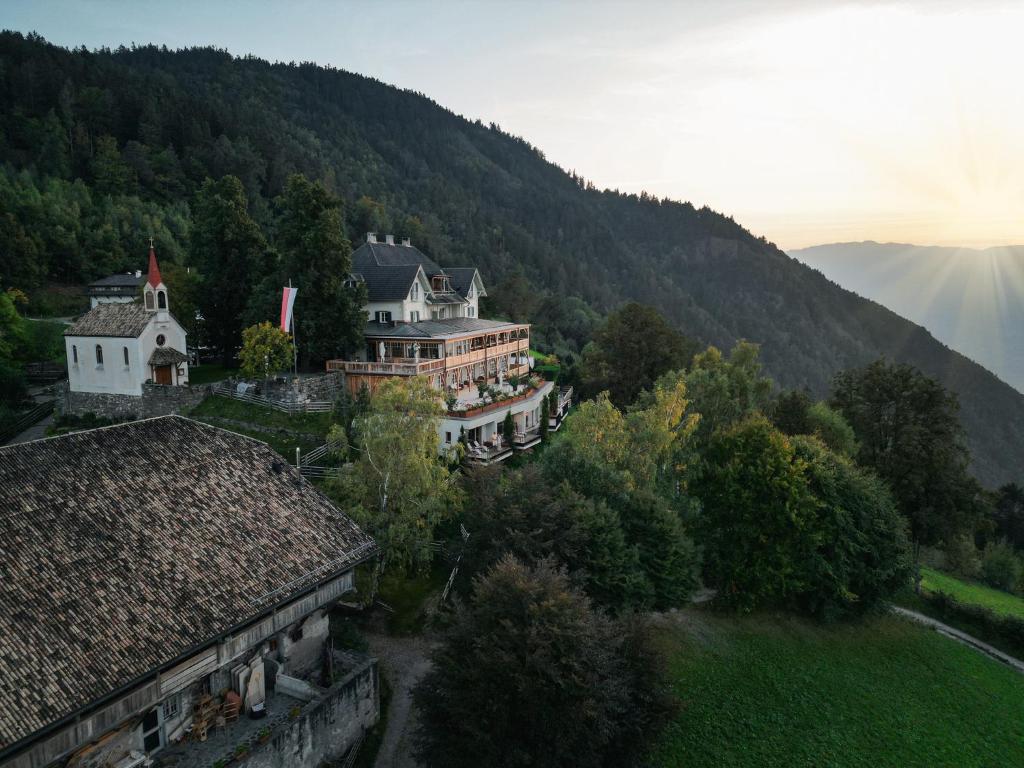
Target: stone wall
(326, 726)
(155, 400)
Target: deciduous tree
(530, 675)
(399, 487)
(266, 349)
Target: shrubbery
(998, 629)
(1001, 567)
(787, 522)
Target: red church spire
(153, 276)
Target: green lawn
(282, 442)
(207, 373)
(771, 691)
(972, 593)
(217, 406)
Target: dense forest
(99, 150)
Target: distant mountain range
(972, 300)
(99, 150)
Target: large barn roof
(126, 546)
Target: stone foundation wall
(327, 726)
(155, 400)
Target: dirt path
(403, 661)
(961, 637)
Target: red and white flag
(287, 306)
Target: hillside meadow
(771, 690)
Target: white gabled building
(117, 346)
(423, 320)
(403, 284)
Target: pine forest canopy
(100, 149)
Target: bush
(530, 674)
(861, 556)
(788, 522)
(1005, 632)
(1001, 567)
(960, 556)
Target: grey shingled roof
(461, 278)
(167, 356)
(126, 546)
(383, 255)
(388, 283)
(126, 320)
(119, 281)
(432, 329)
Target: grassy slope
(972, 593)
(768, 691)
(305, 431)
(207, 373)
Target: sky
(807, 122)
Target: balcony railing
(402, 366)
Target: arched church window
(161, 300)
(126, 357)
(99, 355)
(74, 354)
(149, 300)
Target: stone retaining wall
(155, 400)
(327, 726)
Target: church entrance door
(163, 374)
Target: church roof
(127, 547)
(167, 356)
(153, 276)
(126, 320)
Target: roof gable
(385, 255)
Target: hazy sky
(808, 122)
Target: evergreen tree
(230, 252)
(316, 257)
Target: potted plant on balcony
(263, 735)
(241, 751)
(483, 389)
(514, 381)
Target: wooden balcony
(398, 366)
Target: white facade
(525, 412)
(109, 354)
(122, 364)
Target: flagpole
(295, 336)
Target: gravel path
(403, 661)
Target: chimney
(389, 239)
(138, 273)
(406, 241)
(371, 237)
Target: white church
(117, 346)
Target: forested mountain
(971, 299)
(101, 149)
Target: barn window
(99, 356)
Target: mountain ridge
(158, 122)
(933, 286)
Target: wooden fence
(311, 406)
(26, 420)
